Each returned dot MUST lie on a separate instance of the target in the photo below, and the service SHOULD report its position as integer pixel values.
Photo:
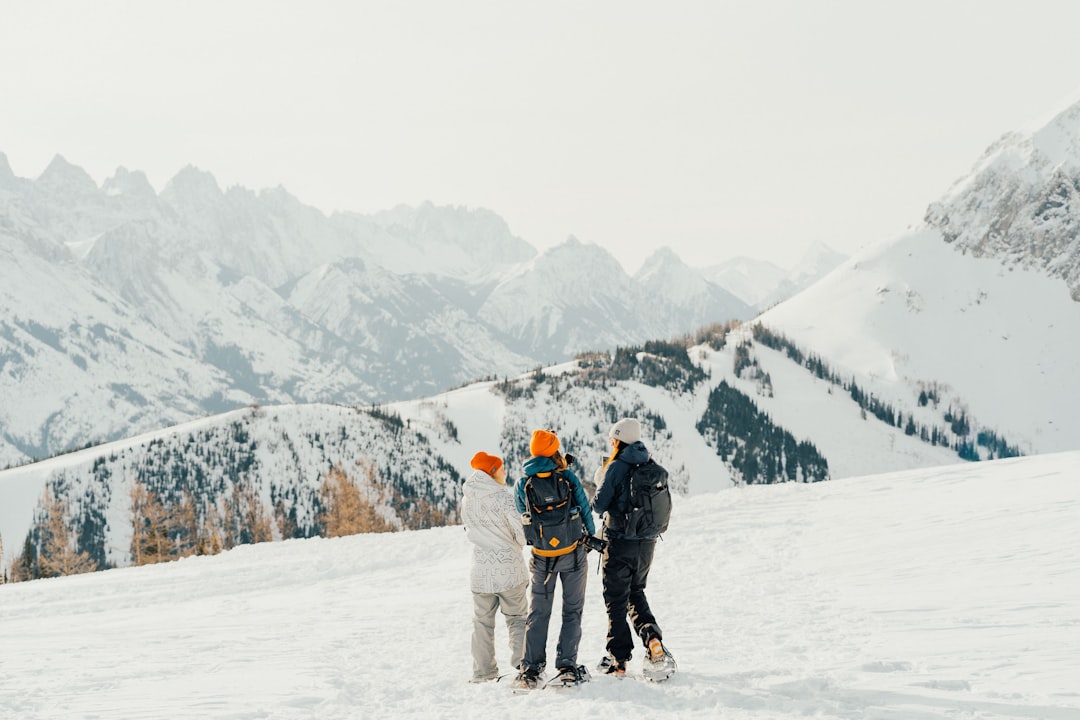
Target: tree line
(168, 527)
(757, 449)
(957, 420)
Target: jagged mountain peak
(450, 241)
(131, 183)
(665, 268)
(661, 258)
(761, 283)
(279, 195)
(1035, 152)
(1057, 141)
(453, 224)
(62, 177)
(8, 180)
(573, 261)
(1021, 201)
(192, 185)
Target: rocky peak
(192, 187)
(1019, 203)
(63, 178)
(129, 184)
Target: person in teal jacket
(566, 563)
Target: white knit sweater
(493, 525)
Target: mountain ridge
(230, 277)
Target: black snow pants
(626, 567)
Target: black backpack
(554, 526)
(646, 507)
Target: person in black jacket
(626, 562)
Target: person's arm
(605, 494)
(519, 495)
(582, 501)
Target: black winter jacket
(612, 494)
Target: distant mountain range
(763, 284)
(126, 310)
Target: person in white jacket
(498, 576)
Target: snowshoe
(659, 665)
(569, 677)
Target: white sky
(717, 128)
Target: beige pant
(514, 604)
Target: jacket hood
(634, 453)
(538, 464)
(480, 484)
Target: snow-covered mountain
(475, 246)
(259, 298)
(930, 594)
(576, 296)
(975, 312)
(1021, 203)
(762, 284)
(664, 274)
(750, 279)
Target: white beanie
(628, 430)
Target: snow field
(949, 592)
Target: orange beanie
(488, 463)
(544, 443)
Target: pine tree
(246, 519)
(23, 566)
(345, 511)
(149, 527)
(58, 555)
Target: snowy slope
(930, 594)
(979, 304)
(914, 312)
(810, 408)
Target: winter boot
(610, 666)
(570, 676)
(525, 681)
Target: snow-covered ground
(951, 592)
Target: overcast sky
(717, 128)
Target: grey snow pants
(572, 570)
(514, 604)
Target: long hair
(619, 445)
(559, 460)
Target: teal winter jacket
(535, 465)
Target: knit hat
(628, 430)
(544, 443)
(488, 463)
